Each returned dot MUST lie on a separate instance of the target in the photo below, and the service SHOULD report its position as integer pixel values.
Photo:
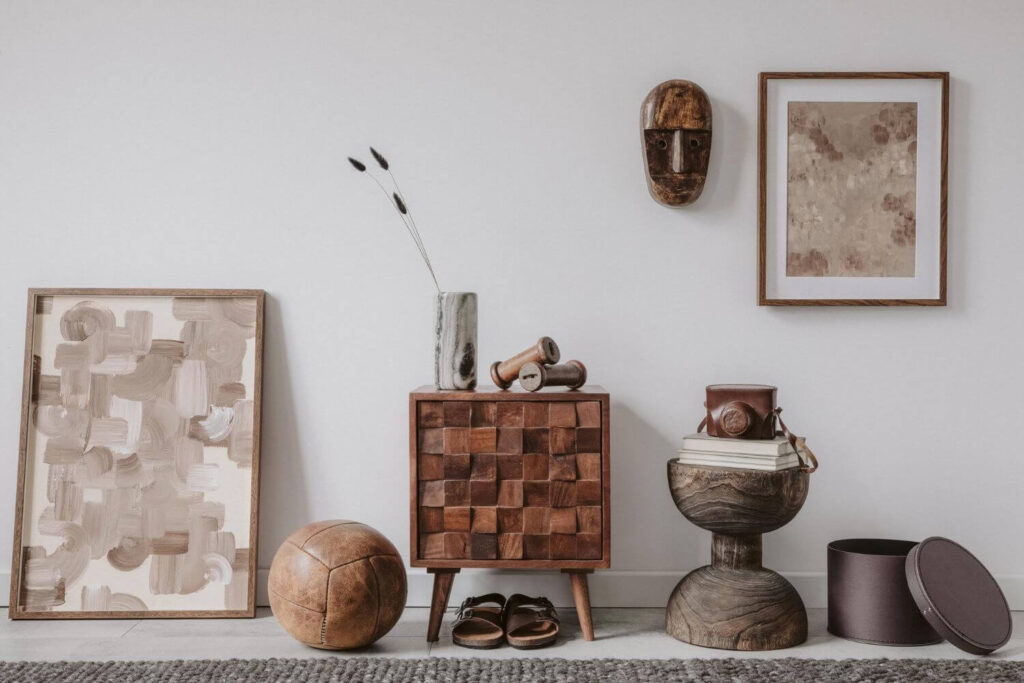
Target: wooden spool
(734, 603)
(544, 352)
(534, 376)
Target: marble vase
(455, 340)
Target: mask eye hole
(662, 144)
(694, 143)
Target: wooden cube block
(563, 546)
(535, 440)
(510, 546)
(589, 547)
(483, 440)
(588, 439)
(588, 465)
(483, 492)
(535, 414)
(430, 467)
(456, 440)
(456, 413)
(537, 520)
(588, 414)
(536, 467)
(430, 414)
(456, 493)
(563, 440)
(563, 520)
(457, 466)
(536, 547)
(510, 466)
(484, 467)
(563, 467)
(431, 546)
(510, 414)
(456, 519)
(431, 520)
(484, 520)
(510, 440)
(482, 414)
(588, 492)
(432, 494)
(483, 546)
(510, 493)
(456, 546)
(563, 494)
(562, 414)
(431, 441)
(536, 494)
(588, 517)
(510, 520)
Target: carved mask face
(676, 122)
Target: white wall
(203, 144)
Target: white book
(738, 457)
(737, 466)
(768, 465)
(702, 442)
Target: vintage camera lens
(735, 418)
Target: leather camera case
(741, 411)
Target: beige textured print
(851, 189)
(140, 470)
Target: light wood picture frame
(852, 188)
(138, 469)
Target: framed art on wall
(852, 188)
(138, 475)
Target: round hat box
(890, 592)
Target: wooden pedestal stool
(509, 479)
(734, 603)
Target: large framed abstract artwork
(138, 477)
(852, 188)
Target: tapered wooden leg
(443, 579)
(581, 596)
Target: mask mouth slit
(677, 151)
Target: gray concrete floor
(621, 633)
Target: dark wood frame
(762, 160)
(15, 611)
(444, 570)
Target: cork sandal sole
(533, 636)
(479, 634)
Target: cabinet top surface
(516, 393)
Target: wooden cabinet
(509, 479)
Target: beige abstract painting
(851, 189)
(138, 487)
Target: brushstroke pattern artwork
(139, 474)
(851, 189)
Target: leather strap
(808, 463)
(467, 612)
(521, 611)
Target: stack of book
(710, 451)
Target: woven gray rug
(516, 670)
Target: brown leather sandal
(480, 627)
(530, 623)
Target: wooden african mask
(676, 123)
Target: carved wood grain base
(736, 609)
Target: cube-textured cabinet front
(509, 479)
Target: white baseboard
(608, 588)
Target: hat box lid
(958, 596)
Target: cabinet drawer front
(509, 480)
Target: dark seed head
(356, 164)
(400, 204)
(380, 158)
